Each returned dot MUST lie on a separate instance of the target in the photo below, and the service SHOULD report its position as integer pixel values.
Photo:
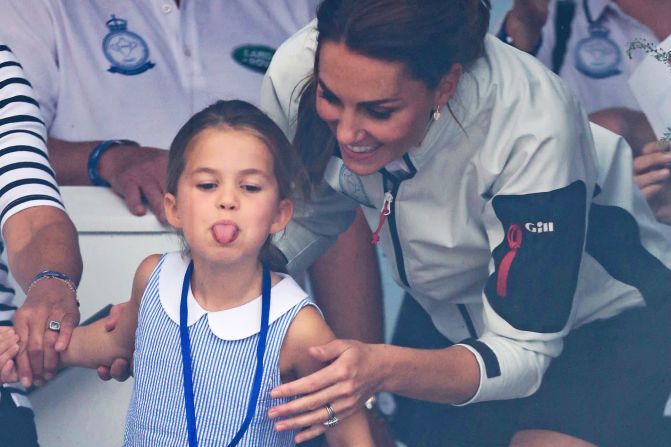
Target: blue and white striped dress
(223, 349)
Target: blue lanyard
(186, 359)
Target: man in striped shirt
(42, 250)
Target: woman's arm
(359, 370)
(352, 429)
(93, 345)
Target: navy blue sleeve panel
(613, 240)
(537, 264)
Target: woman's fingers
(309, 433)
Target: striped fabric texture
(26, 179)
(223, 371)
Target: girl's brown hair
(242, 116)
(427, 36)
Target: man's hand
(525, 21)
(137, 173)
(653, 177)
(49, 299)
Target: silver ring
(333, 419)
(54, 326)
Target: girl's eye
(206, 186)
(251, 188)
(380, 114)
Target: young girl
(207, 340)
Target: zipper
(384, 212)
(391, 184)
(514, 238)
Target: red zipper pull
(514, 237)
(384, 212)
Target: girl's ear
(170, 208)
(447, 86)
(285, 210)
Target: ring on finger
(332, 418)
(54, 326)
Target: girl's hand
(9, 347)
(355, 374)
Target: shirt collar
(230, 324)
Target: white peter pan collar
(230, 324)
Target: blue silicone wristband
(94, 159)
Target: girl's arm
(308, 329)
(93, 345)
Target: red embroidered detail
(514, 237)
(384, 212)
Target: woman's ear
(285, 210)
(447, 85)
(170, 208)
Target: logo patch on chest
(255, 57)
(125, 50)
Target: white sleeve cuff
(507, 370)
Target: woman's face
(374, 108)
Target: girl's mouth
(225, 232)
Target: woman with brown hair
(475, 168)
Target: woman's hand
(355, 373)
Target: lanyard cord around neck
(588, 14)
(186, 359)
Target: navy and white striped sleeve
(26, 178)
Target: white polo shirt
(598, 58)
(138, 69)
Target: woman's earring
(436, 114)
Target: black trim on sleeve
(613, 240)
(7, 307)
(492, 367)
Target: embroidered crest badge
(126, 51)
(597, 56)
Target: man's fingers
(153, 192)
(652, 190)
(658, 176)
(130, 191)
(68, 324)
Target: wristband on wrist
(52, 274)
(94, 159)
